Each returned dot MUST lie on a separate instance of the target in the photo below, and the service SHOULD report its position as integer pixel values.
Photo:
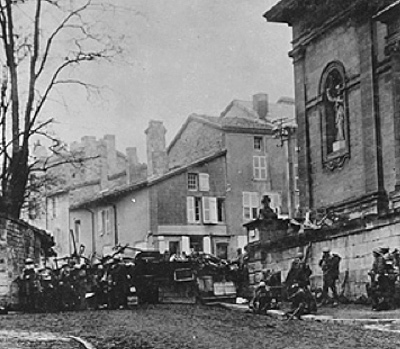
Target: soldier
(29, 286)
(266, 212)
(299, 272)
(382, 286)
(329, 264)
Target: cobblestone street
(179, 326)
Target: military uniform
(329, 264)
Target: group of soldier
(383, 287)
(297, 285)
(76, 285)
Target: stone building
(346, 67)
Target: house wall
(133, 217)
(239, 162)
(196, 142)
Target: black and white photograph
(199, 174)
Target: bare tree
(43, 41)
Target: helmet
(326, 250)
(29, 261)
(377, 250)
(262, 284)
(300, 255)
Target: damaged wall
(18, 241)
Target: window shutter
(206, 210)
(100, 222)
(190, 209)
(213, 210)
(204, 182)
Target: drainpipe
(382, 205)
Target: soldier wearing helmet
(329, 264)
(299, 272)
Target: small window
(258, 143)
(193, 181)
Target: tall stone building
(347, 90)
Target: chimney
(156, 149)
(111, 154)
(132, 164)
(260, 105)
(103, 164)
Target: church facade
(346, 58)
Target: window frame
(253, 200)
(258, 143)
(258, 169)
(193, 185)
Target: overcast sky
(181, 57)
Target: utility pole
(285, 130)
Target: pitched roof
(129, 188)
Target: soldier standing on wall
(266, 212)
(329, 264)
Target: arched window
(334, 116)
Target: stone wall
(18, 241)
(354, 246)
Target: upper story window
(198, 181)
(260, 167)
(193, 181)
(205, 209)
(334, 114)
(251, 204)
(258, 143)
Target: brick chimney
(260, 105)
(157, 162)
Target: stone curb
(319, 318)
(85, 343)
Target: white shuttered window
(204, 182)
(210, 213)
(190, 209)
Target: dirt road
(194, 327)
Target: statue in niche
(334, 94)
